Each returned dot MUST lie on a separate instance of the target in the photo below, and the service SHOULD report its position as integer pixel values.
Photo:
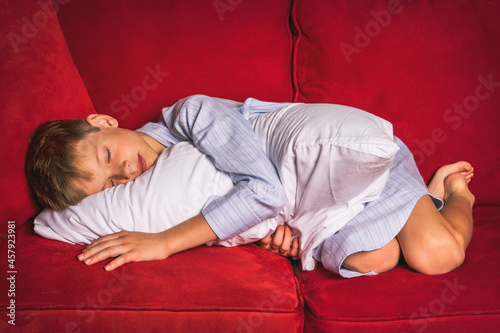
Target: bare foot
(437, 184)
(455, 184)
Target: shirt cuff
(228, 219)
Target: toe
(466, 166)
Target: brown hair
(51, 166)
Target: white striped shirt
(221, 129)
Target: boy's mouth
(142, 164)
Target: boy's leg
(378, 261)
(432, 241)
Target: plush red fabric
(413, 63)
(402, 300)
(429, 59)
(204, 289)
(235, 49)
(39, 82)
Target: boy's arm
(218, 129)
(129, 246)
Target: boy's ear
(101, 120)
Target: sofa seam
(292, 311)
(80, 77)
(295, 29)
(407, 318)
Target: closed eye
(109, 161)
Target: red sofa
(432, 68)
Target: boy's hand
(126, 246)
(280, 242)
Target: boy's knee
(378, 261)
(439, 255)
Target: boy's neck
(157, 146)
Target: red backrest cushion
(39, 82)
(432, 68)
(137, 57)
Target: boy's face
(114, 155)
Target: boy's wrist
(192, 233)
(165, 244)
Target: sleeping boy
(67, 162)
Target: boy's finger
(103, 243)
(264, 242)
(294, 253)
(287, 241)
(103, 239)
(117, 262)
(278, 238)
(110, 249)
(95, 249)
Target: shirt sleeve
(218, 129)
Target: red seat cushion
(430, 67)
(234, 50)
(465, 299)
(203, 289)
(39, 82)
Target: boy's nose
(125, 171)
